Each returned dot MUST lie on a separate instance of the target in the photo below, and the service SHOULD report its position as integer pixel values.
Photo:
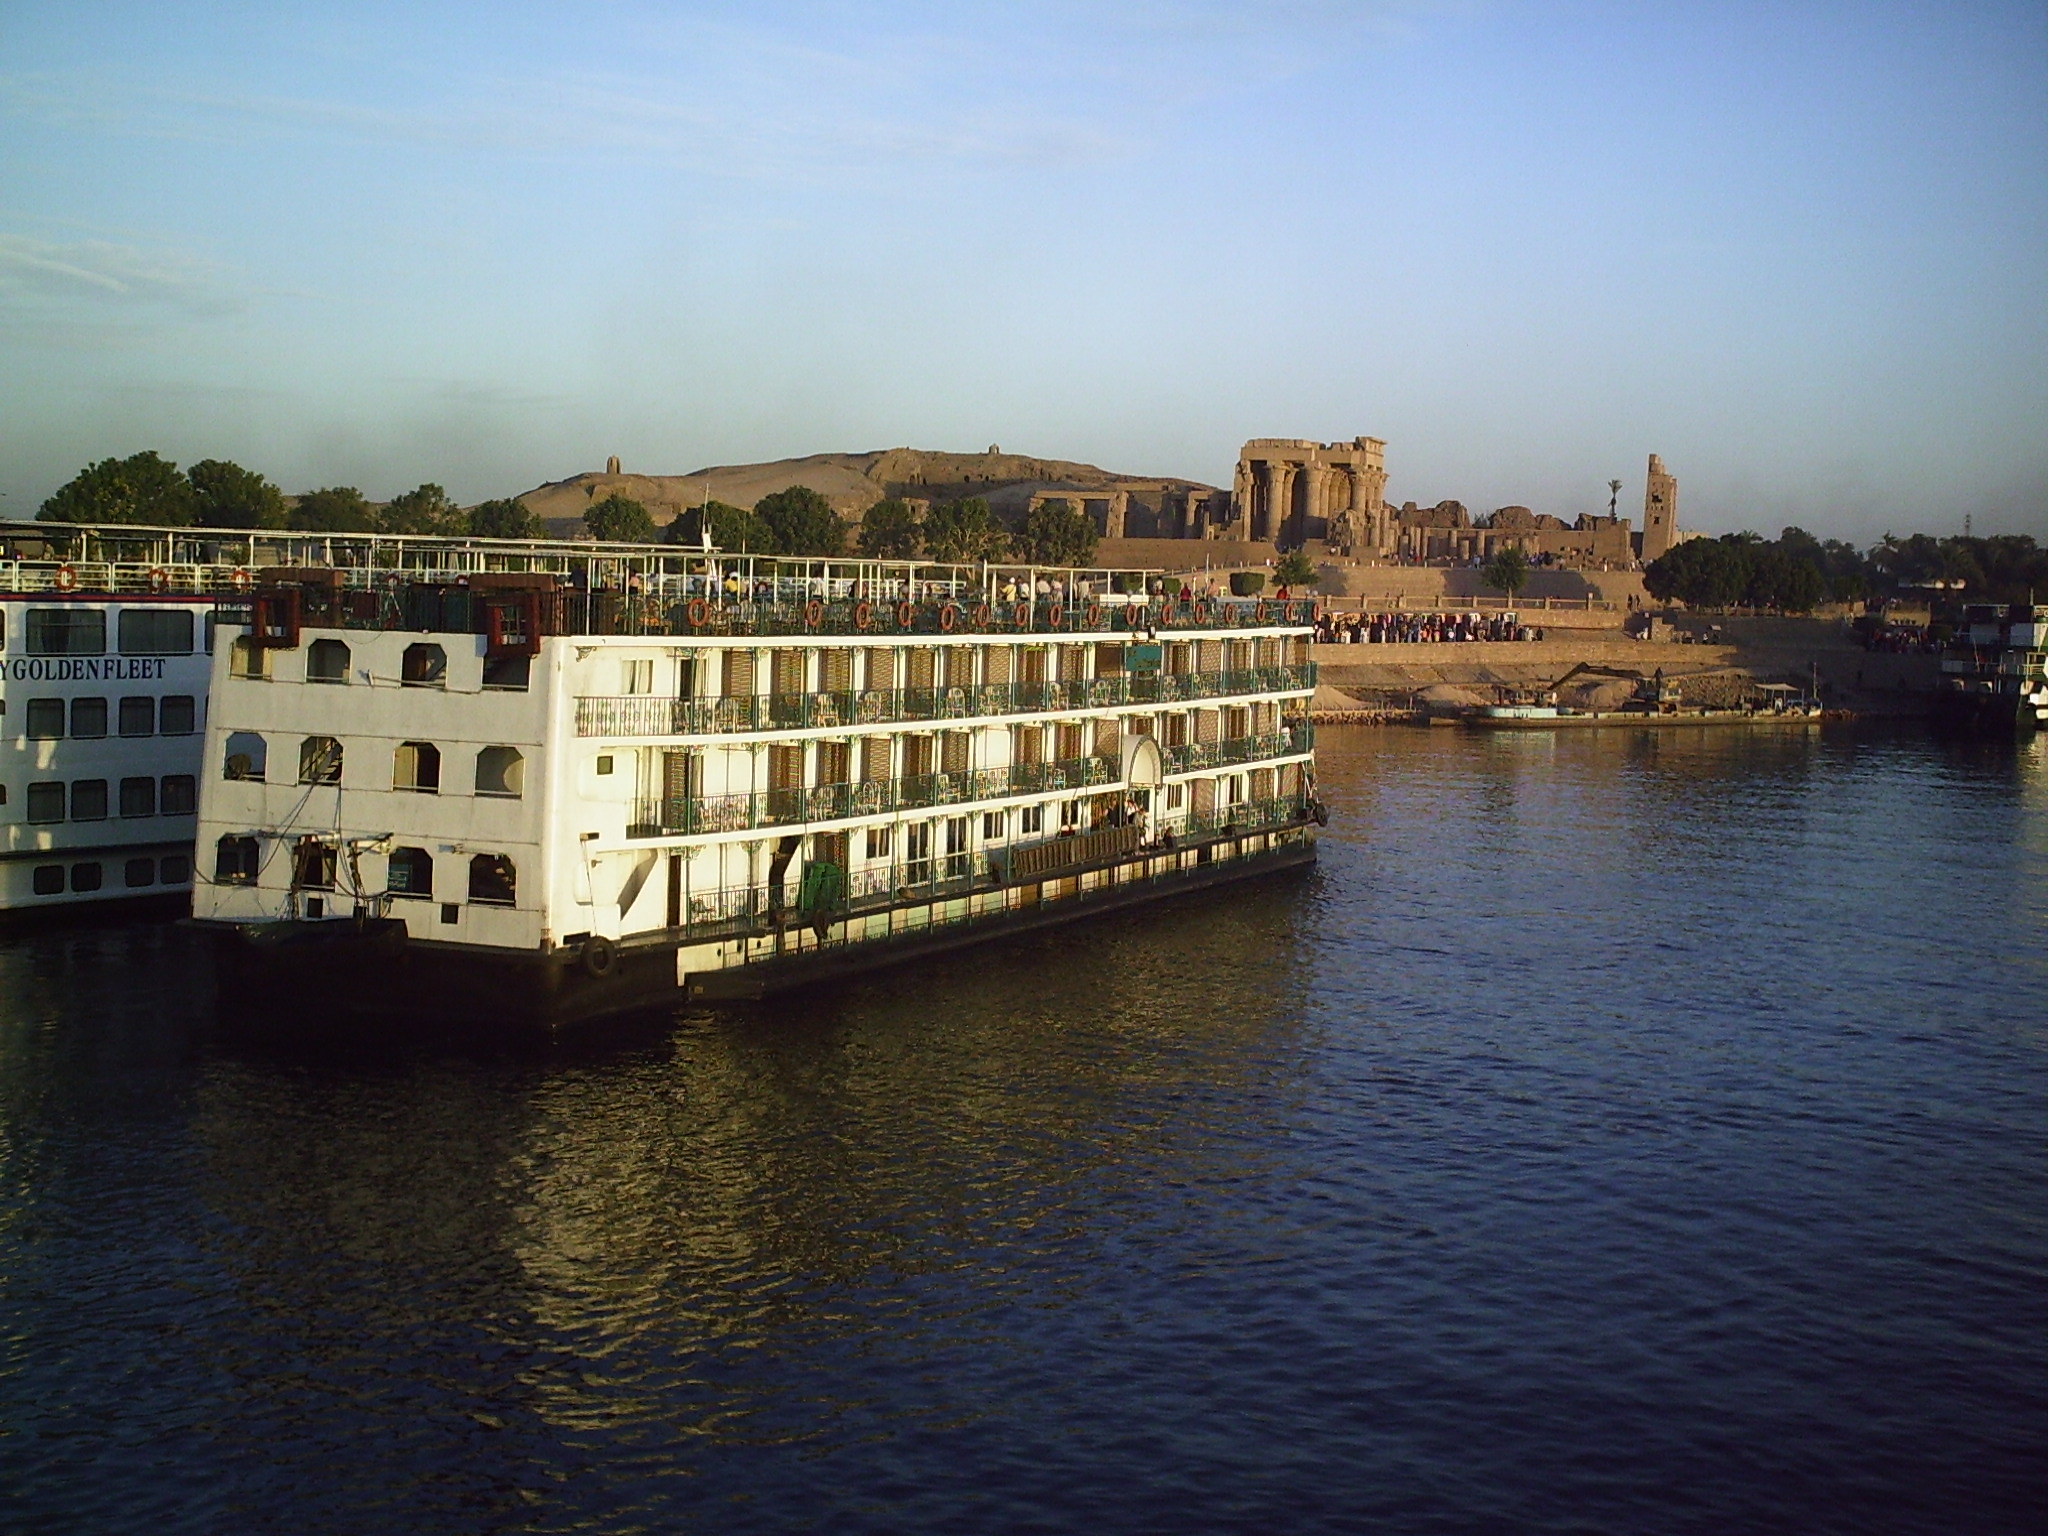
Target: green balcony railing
(639, 715)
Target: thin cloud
(41, 274)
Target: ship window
(319, 760)
(67, 632)
(327, 662)
(174, 869)
(156, 632)
(249, 660)
(1031, 818)
(45, 719)
(46, 802)
(424, 666)
(878, 842)
(87, 877)
(138, 873)
(138, 797)
(638, 676)
(246, 755)
(49, 880)
(89, 718)
(234, 861)
(500, 771)
(417, 766)
(313, 865)
(493, 881)
(138, 716)
(88, 799)
(507, 671)
(604, 762)
(992, 824)
(411, 873)
(180, 795)
(178, 715)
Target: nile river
(1615, 1133)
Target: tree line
(147, 489)
(1796, 572)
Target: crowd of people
(1419, 628)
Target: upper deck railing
(641, 715)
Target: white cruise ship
(706, 776)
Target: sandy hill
(852, 482)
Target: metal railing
(640, 715)
(1287, 742)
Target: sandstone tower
(1660, 511)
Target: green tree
(1057, 533)
(889, 531)
(142, 488)
(964, 530)
(620, 520)
(801, 522)
(424, 510)
(225, 495)
(333, 509)
(733, 529)
(506, 518)
(1295, 570)
(1507, 572)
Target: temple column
(1119, 511)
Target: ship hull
(1960, 713)
(288, 976)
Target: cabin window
(417, 766)
(636, 676)
(45, 719)
(493, 882)
(247, 756)
(156, 632)
(424, 666)
(1031, 818)
(248, 660)
(88, 799)
(138, 797)
(174, 869)
(180, 796)
(234, 861)
(87, 877)
(1176, 796)
(49, 880)
(178, 715)
(89, 718)
(138, 716)
(992, 825)
(411, 873)
(956, 848)
(319, 760)
(46, 801)
(917, 852)
(878, 842)
(327, 662)
(67, 632)
(604, 762)
(313, 865)
(138, 873)
(501, 771)
(1070, 815)
(507, 671)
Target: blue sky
(1798, 249)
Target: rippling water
(1615, 1133)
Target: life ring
(159, 579)
(1259, 613)
(240, 579)
(1095, 615)
(906, 612)
(598, 957)
(1199, 610)
(863, 615)
(814, 614)
(1023, 615)
(697, 613)
(949, 617)
(981, 616)
(67, 578)
(1053, 615)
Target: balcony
(640, 715)
(1191, 756)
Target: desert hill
(852, 482)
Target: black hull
(282, 977)
(1957, 713)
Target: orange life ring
(697, 612)
(1259, 612)
(949, 617)
(1053, 615)
(1199, 610)
(1023, 615)
(67, 578)
(241, 580)
(814, 614)
(981, 616)
(159, 579)
(863, 615)
(1095, 615)
(906, 613)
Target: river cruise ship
(1994, 672)
(106, 663)
(524, 798)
